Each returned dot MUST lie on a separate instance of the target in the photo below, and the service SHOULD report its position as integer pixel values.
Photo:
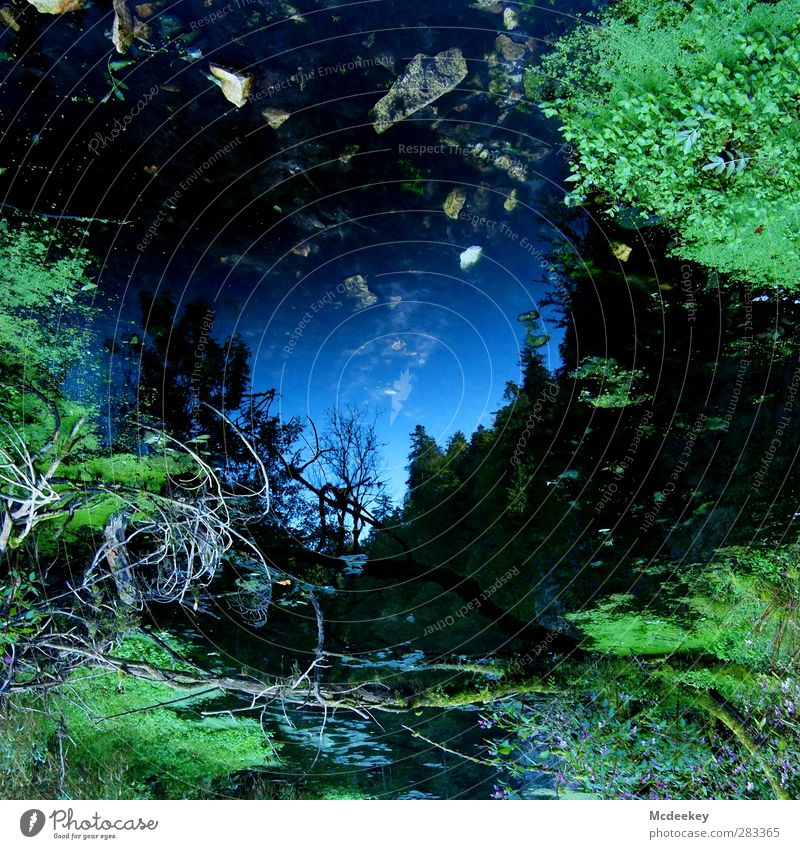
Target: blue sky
(412, 337)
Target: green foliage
(20, 600)
(689, 112)
(30, 762)
(611, 386)
(45, 285)
(723, 726)
(754, 593)
(742, 608)
(616, 734)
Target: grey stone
(425, 79)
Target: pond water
(328, 247)
(268, 222)
(372, 753)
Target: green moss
(139, 646)
(117, 745)
(92, 518)
(342, 794)
(732, 682)
(168, 749)
(150, 473)
(612, 628)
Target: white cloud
(470, 256)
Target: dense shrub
(688, 112)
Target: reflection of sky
(384, 318)
(412, 337)
(282, 221)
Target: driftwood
(27, 494)
(305, 691)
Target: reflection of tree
(342, 471)
(175, 366)
(351, 463)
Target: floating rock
(510, 203)
(292, 14)
(514, 169)
(491, 156)
(123, 30)
(621, 251)
(56, 7)
(454, 203)
(470, 256)
(493, 6)
(144, 10)
(302, 250)
(235, 87)
(348, 153)
(510, 18)
(509, 49)
(142, 30)
(356, 286)
(425, 79)
(275, 117)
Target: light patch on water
(417, 794)
(409, 662)
(344, 742)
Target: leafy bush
(689, 111)
(618, 735)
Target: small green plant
(118, 86)
(413, 175)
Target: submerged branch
(347, 696)
(443, 748)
